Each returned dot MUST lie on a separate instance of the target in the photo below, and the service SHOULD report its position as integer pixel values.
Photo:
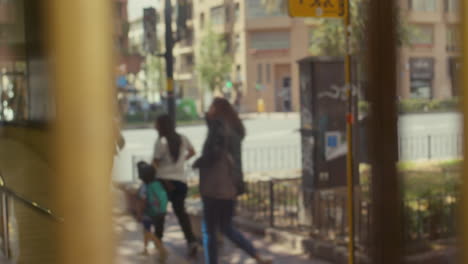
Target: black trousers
(218, 215)
(177, 197)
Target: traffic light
(149, 30)
(183, 10)
(229, 84)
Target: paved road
(274, 134)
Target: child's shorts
(157, 222)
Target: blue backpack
(156, 199)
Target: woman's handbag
(217, 181)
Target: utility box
(324, 108)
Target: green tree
(213, 62)
(154, 72)
(275, 5)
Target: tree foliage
(275, 5)
(154, 69)
(213, 62)
(328, 36)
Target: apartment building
(265, 47)
(428, 66)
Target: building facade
(428, 65)
(261, 43)
(121, 26)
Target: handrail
(5, 194)
(31, 204)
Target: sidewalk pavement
(131, 245)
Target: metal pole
(349, 133)
(429, 147)
(463, 221)
(272, 203)
(169, 60)
(5, 228)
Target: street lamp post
(169, 59)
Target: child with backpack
(152, 208)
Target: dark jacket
(234, 147)
(221, 155)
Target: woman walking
(171, 151)
(221, 179)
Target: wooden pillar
(463, 222)
(383, 148)
(80, 50)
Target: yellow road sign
(317, 8)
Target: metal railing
(289, 157)
(272, 202)
(254, 159)
(272, 158)
(285, 204)
(431, 147)
(6, 195)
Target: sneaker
(193, 249)
(163, 256)
(264, 261)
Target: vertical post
(5, 226)
(169, 60)
(272, 203)
(429, 147)
(386, 244)
(82, 131)
(349, 135)
(464, 137)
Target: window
(189, 37)
(454, 73)
(423, 5)
(268, 73)
(24, 80)
(238, 73)
(255, 9)
(189, 60)
(421, 77)
(453, 38)
(423, 35)
(189, 11)
(228, 41)
(237, 43)
(452, 6)
(271, 40)
(421, 89)
(218, 15)
(259, 73)
(202, 20)
(227, 14)
(236, 12)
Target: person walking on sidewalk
(221, 180)
(151, 210)
(171, 152)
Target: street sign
(317, 8)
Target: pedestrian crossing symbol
(317, 8)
